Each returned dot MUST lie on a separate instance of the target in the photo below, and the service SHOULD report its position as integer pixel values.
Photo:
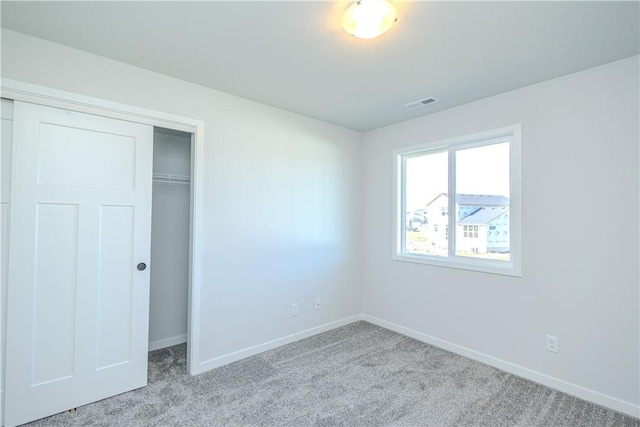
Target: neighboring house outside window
(483, 217)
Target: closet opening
(170, 243)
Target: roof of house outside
(481, 200)
(484, 215)
(476, 200)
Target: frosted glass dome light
(367, 19)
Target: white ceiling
(294, 55)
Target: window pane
(482, 201)
(426, 204)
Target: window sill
(463, 263)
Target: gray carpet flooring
(357, 375)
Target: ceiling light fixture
(367, 19)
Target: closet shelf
(168, 178)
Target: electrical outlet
(295, 309)
(317, 306)
(552, 343)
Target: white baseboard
(167, 342)
(564, 386)
(251, 351)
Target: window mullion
(451, 246)
(403, 204)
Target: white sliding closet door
(6, 129)
(80, 224)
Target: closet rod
(168, 178)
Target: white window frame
(513, 267)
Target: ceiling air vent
(421, 103)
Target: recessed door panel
(55, 296)
(115, 286)
(85, 158)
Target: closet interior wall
(170, 238)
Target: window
(478, 178)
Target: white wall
(282, 202)
(580, 262)
(169, 241)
